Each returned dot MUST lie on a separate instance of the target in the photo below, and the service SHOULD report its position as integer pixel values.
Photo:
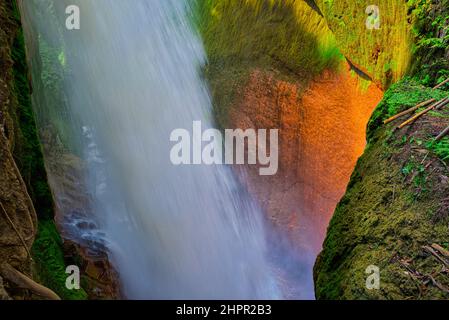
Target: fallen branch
(16, 230)
(437, 284)
(418, 115)
(403, 113)
(436, 255)
(442, 134)
(441, 250)
(424, 278)
(441, 84)
(22, 281)
(442, 104)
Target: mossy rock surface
(285, 36)
(396, 203)
(21, 149)
(383, 53)
(50, 264)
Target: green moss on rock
(50, 264)
(47, 249)
(403, 95)
(27, 148)
(394, 205)
(385, 53)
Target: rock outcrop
(375, 36)
(283, 70)
(18, 220)
(394, 215)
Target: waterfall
(124, 81)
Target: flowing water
(125, 80)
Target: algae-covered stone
(375, 35)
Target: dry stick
(422, 104)
(436, 255)
(441, 84)
(441, 250)
(21, 280)
(418, 115)
(440, 106)
(437, 284)
(16, 230)
(442, 134)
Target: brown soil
(322, 134)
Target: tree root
(443, 133)
(16, 230)
(12, 275)
(32, 217)
(3, 294)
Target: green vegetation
(401, 96)
(50, 264)
(47, 249)
(441, 148)
(27, 148)
(395, 204)
(432, 40)
(267, 33)
(384, 54)
(390, 210)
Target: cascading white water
(132, 75)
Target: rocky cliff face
(276, 64)
(375, 36)
(27, 226)
(20, 157)
(394, 215)
(394, 207)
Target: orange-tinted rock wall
(321, 136)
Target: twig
(403, 113)
(16, 230)
(427, 154)
(11, 274)
(436, 255)
(442, 134)
(441, 250)
(441, 84)
(437, 284)
(413, 119)
(443, 163)
(416, 275)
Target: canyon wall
(375, 36)
(316, 72)
(24, 192)
(29, 239)
(394, 215)
(277, 65)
